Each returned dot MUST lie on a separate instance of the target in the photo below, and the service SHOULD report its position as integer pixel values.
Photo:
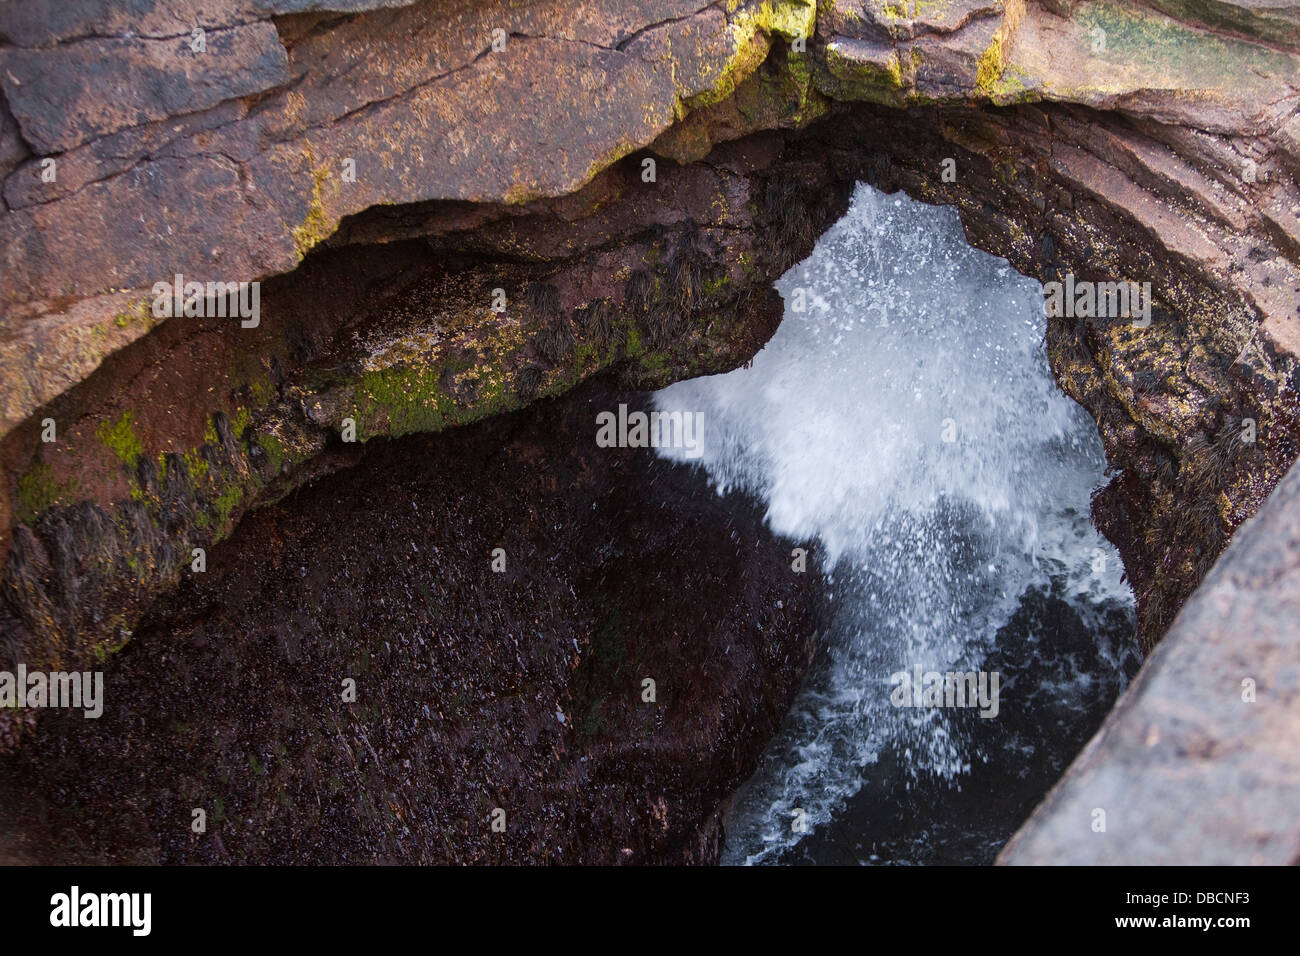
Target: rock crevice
(630, 178)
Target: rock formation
(456, 207)
(481, 680)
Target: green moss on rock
(39, 490)
(120, 438)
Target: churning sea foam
(905, 420)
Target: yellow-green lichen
(788, 19)
(402, 399)
(1012, 87)
(407, 397)
(895, 69)
(635, 347)
(888, 82)
(140, 313)
(225, 504)
(197, 465)
(274, 450)
(713, 287)
(993, 61)
(751, 30)
(120, 438)
(990, 67)
(802, 102)
(239, 421)
(39, 490)
(317, 226)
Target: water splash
(904, 418)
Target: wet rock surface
(1154, 141)
(475, 690)
(1131, 145)
(1197, 764)
(650, 282)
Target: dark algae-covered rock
(361, 675)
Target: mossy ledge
(113, 513)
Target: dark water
(1060, 674)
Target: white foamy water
(909, 337)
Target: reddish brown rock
(170, 443)
(81, 90)
(1110, 141)
(523, 689)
